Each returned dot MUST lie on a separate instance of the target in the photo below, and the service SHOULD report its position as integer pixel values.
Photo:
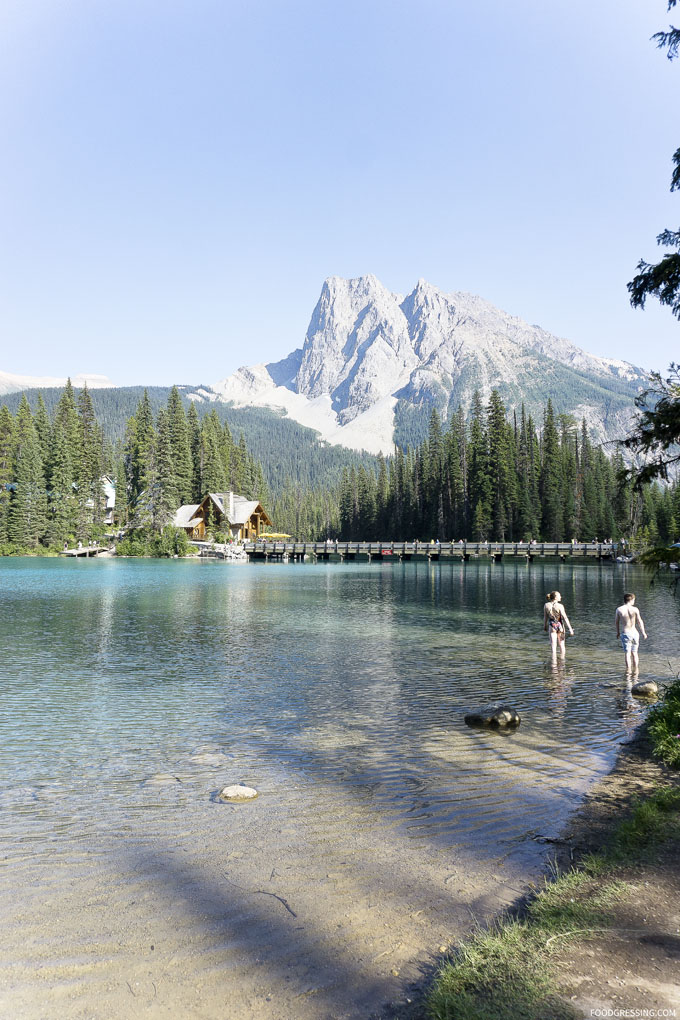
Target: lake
(134, 690)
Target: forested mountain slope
(286, 450)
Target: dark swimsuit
(555, 623)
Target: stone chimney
(230, 506)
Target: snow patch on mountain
(254, 387)
(367, 348)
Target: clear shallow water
(132, 690)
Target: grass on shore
(663, 724)
(505, 973)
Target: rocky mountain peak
(374, 363)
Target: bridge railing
(377, 548)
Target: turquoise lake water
(133, 691)
(355, 677)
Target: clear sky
(178, 177)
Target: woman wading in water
(555, 619)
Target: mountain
(16, 383)
(373, 365)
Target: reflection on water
(350, 679)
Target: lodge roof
(236, 509)
(183, 517)
(243, 508)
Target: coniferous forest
(489, 478)
(52, 471)
(484, 477)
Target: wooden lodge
(244, 519)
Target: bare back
(627, 618)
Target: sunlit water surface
(117, 672)
(132, 691)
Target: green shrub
(664, 727)
(136, 543)
(10, 549)
(171, 542)
(143, 542)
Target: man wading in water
(554, 621)
(627, 620)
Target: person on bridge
(555, 619)
(627, 620)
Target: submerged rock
(645, 689)
(162, 779)
(236, 794)
(495, 717)
(215, 759)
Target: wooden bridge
(431, 551)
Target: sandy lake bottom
(384, 828)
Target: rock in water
(237, 794)
(215, 759)
(645, 689)
(162, 779)
(496, 717)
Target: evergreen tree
(479, 479)
(433, 476)
(454, 500)
(528, 515)
(501, 481)
(6, 468)
(89, 466)
(43, 428)
(27, 519)
(245, 472)
(165, 495)
(366, 506)
(550, 487)
(588, 501)
(67, 421)
(623, 497)
(260, 487)
(381, 499)
(396, 513)
(141, 449)
(62, 501)
(121, 510)
(568, 483)
(461, 525)
(179, 437)
(194, 436)
(212, 464)
(662, 280)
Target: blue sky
(178, 178)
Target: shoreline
(615, 974)
(361, 899)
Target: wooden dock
(87, 551)
(431, 551)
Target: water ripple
(351, 679)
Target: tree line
(284, 448)
(176, 459)
(489, 478)
(52, 469)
